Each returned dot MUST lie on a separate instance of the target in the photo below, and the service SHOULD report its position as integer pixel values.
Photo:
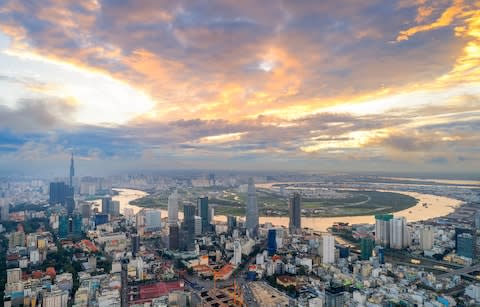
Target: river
(437, 206)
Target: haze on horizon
(289, 85)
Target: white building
(237, 253)
(399, 235)
(14, 275)
(426, 238)
(328, 248)
(173, 208)
(382, 229)
(34, 256)
(56, 298)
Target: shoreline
(442, 205)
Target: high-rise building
(366, 247)
(328, 246)
(272, 242)
(382, 229)
(4, 209)
(231, 222)
(202, 209)
(295, 212)
(173, 236)
(173, 208)
(399, 234)
(252, 209)
(334, 296)
(77, 225)
(466, 245)
(426, 238)
(198, 225)
(189, 224)
(106, 204)
(237, 252)
(57, 193)
(101, 219)
(153, 220)
(63, 224)
(72, 171)
(86, 210)
(135, 244)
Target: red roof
(159, 289)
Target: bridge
(464, 272)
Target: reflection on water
(436, 206)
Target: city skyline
(294, 86)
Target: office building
(86, 210)
(72, 174)
(4, 209)
(173, 236)
(135, 244)
(399, 234)
(335, 296)
(382, 229)
(153, 220)
(426, 238)
(188, 228)
(295, 211)
(211, 216)
(231, 223)
(366, 248)
(272, 242)
(252, 209)
(106, 204)
(328, 247)
(77, 225)
(459, 231)
(173, 208)
(466, 245)
(202, 209)
(198, 225)
(237, 253)
(63, 224)
(101, 219)
(57, 193)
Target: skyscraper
(202, 208)
(173, 236)
(465, 245)
(57, 193)
(328, 246)
(173, 208)
(237, 253)
(272, 242)
(382, 229)
(135, 240)
(295, 210)
(72, 171)
(189, 224)
(106, 204)
(399, 235)
(252, 209)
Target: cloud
(36, 115)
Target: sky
(297, 85)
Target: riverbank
(437, 206)
(345, 203)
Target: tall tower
(72, 171)
(295, 212)
(173, 208)
(252, 209)
(202, 209)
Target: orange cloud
(446, 19)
